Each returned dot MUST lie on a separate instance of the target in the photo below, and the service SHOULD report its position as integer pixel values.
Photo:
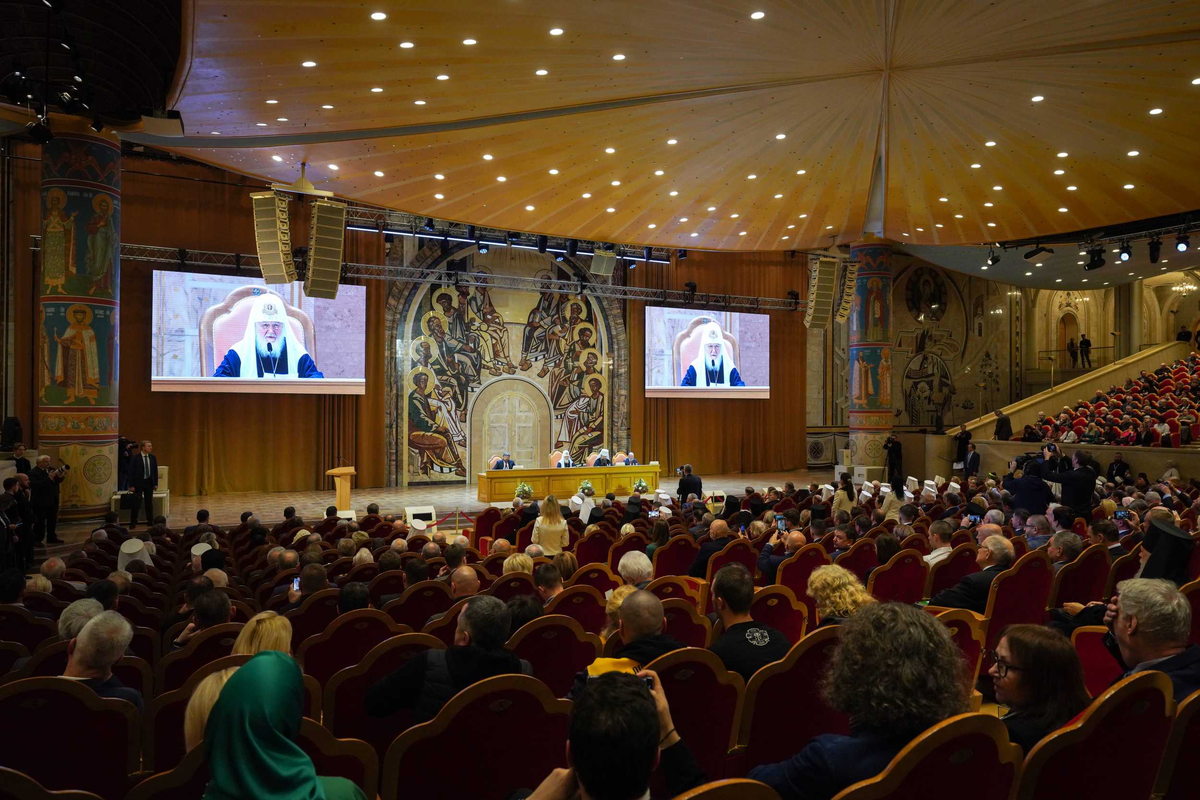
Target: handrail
(1098, 356)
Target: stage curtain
(725, 436)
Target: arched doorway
(1068, 329)
(511, 415)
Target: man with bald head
(982, 532)
(721, 535)
(501, 547)
(464, 582)
(769, 560)
(431, 550)
(640, 627)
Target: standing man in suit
(689, 484)
(505, 462)
(1003, 431)
(44, 483)
(20, 461)
(995, 555)
(143, 480)
(971, 462)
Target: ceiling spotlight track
(1182, 242)
(994, 258)
(1095, 259)
(1126, 252)
(1037, 251)
(1154, 247)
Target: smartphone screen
(652, 514)
(781, 524)
(975, 520)
(1121, 513)
(296, 585)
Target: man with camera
(44, 484)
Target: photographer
(688, 484)
(1029, 491)
(1078, 480)
(895, 462)
(44, 484)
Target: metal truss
(209, 260)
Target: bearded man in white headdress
(714, 366)
(269, 345)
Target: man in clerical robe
(457, 364)
(539, 321)
(714, 366)
(58, 242)
(78, 366)
(861, 384)
(427, 431)
(269, 347)
(583, 423)
(101, 245)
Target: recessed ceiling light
(616, 183)
(586, 195)
(501, 178)
(438, 197)
(712, 208)
(619, 57)
(261, 124)
(1027, 274)
(1195, 81)
(556, 31)
(938, 225)
(790, 227)
(997, 188)
(802, 216)
(778, 196)
(683, 219)
(743, 233)
(976, 166)
(1131, 273)
(277, 158)
(406, 45)
(733, 216)
(529, 208)
(326, 106)
(1038, 264)
(418, 102)
(610, 150)
(943, 199)
(1085, 280)
(921, 230)
(553, 172)
(751, 176)
(958, 216)
(272, 102)
(757, 15)
(468, 41)
(1080, 262)
(308, 63)
(989, 205)
(1062, 154)
(1037, 98)
(610, 209)
(828, 227)
(1059, 171)
(904, 234)
(989, 144)
(991, 224)
(542, 72)
(651, 225)
(1129, 186)
(672, 141)
(334, 167)
(215, 133)
(377, 89)
(1058, 280)
(1072, 188)
(487, 156)
(784, 236)
(378, 174)
(1062, 210)
(658, 172)
(1156, 111)
(281, 119)
(781, 136)
(440, 176)
(1132, 153)
(379, 16)
(443, 77)
(801, 171)
(695, 235)
(673, 194)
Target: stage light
(572, 247)
(992, 259)
(681, 254)
(1095, 259)
(428, 226)
(1126, 252)
(541, 244)
(471, 232)
(1154, 246)
(482, 247)
(560, 257)
(40, 132)
(1037, 251)
(1182, 242)
(646, 253)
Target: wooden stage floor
(226, 509)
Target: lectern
(341, 485)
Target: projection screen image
(222, 333)
(693, 353)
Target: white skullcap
(954, 487)
(666, 498)
(200, 549)
(419, 524)
(132, 546)
(930, 486)
(885, 488)
(864, 496)
(576, 502)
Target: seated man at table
(505, 462)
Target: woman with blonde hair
(200, 704)
(612, 608)
(550, 529)
(627, 529)
(1108, 508)
(567, 564)
(266, 630)
(518, 562)
(838, 594)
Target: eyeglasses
(1002, 667)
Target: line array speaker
(822, 278)
(325, 242)
(603, 262)
(273, 237)
(846, 286)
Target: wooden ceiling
(924, 83)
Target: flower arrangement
(585, 489)
(641, 486)
(524, 491)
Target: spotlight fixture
(681, 254)
(512, 236)
(572, 247)
(794, 296)
(1126, 252)
(560, 257)
(482, 247)
(471, 232)
(541, 243)
(992, 259)
(1037, 251)
(1182, 242)
(428, 226)
(40, 132)
(97, 125)
(1154, 246)
(1095, 259)
(646, 253)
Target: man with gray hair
(431, 550)
(399, 545)
(428, 681)
(1041, 532)
(635, 568)
(462, 541)
(122, 579)
(995, 555)
(53, 569)
(994, 516)
(75, 616)
(535, 551)
(93, 652)
(1149, 622)
(345, 548)
(501, 547)
(1065, 547)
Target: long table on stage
(500, 485)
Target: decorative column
(870, 354)
(1135, 319)
(77, 321)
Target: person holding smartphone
(773, 554)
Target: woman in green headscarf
(250, 738)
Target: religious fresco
(545, 358)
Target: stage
(226, 509)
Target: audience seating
(428, 760)
(343, 698)
(557, 647)
(952, 569)
(1138, 712)
(677, 587)
(508, 586)
(730, 789)
(968, 750)
(445, 627)
(187, 781)
(916, 542)
(19, 786)
(163, 745)
(1122, 569)
(420, 602)
(687, 624)
(582, 603)
(794, 571)
(346, 641)
(1192, 592)
(1100, 669)
(966, 628)
(1018, 595)
(1180, 772)
(675, 557)
(352, 759)
(390, 582)
(48, 661)
(39, 710)
(627, 544)
(777, 607)
(1082, 580)
(313, 615)
(902, 579)
(598, 576)
(738, 551)
(593, 548)
(21, 626)
(207, 645)
(10, 653)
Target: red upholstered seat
(187, 781)
(771, 730)
(582, 603)
(494, 563)
(524, 537)
(313, 616)
(343, 698)
(445, 627)
(47, 662)
(916, 542)
(427, 760)
(675, 557)
(687, 624)
(1020, 545)
(557, 647)
(485, 523)
(738, 551)
(966, 750)
(1122, 569)
(902, 579)
(19, 786)
(961, 537)
(966, 628)
(598, 576)
(794, 571)
(385, 583)
(1180, 772)
(207, 645)
(1018, 596)
(706, 704)
(352, 759)
(21, 626)
(506, 528)
(363, 573)
(676, 587)
(512, 584)
(777, 607)
(1137, 710)
(45, 602)
(628, 544)
(1192, 592)
(1082, 580)
(163, 743)
(859, 558)
(1100, 669)
(952, 569)
(44, 708)
(593, 548)
(10, 653)
(420, 602)
(345, 641)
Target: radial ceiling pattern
(989, 121)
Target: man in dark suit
(971, 462)
(995, 555)
(44, 483)
(20, 461)
(1149, 623)
(1003, 431)
(721, 536)
(689, 484)
(505, 462)
(1105, 532)
(1029, 491)
(769, 560)
(1078, 481)
(1118, 468)
(143, 480)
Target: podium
(341, 484)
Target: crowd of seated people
(621, 727)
